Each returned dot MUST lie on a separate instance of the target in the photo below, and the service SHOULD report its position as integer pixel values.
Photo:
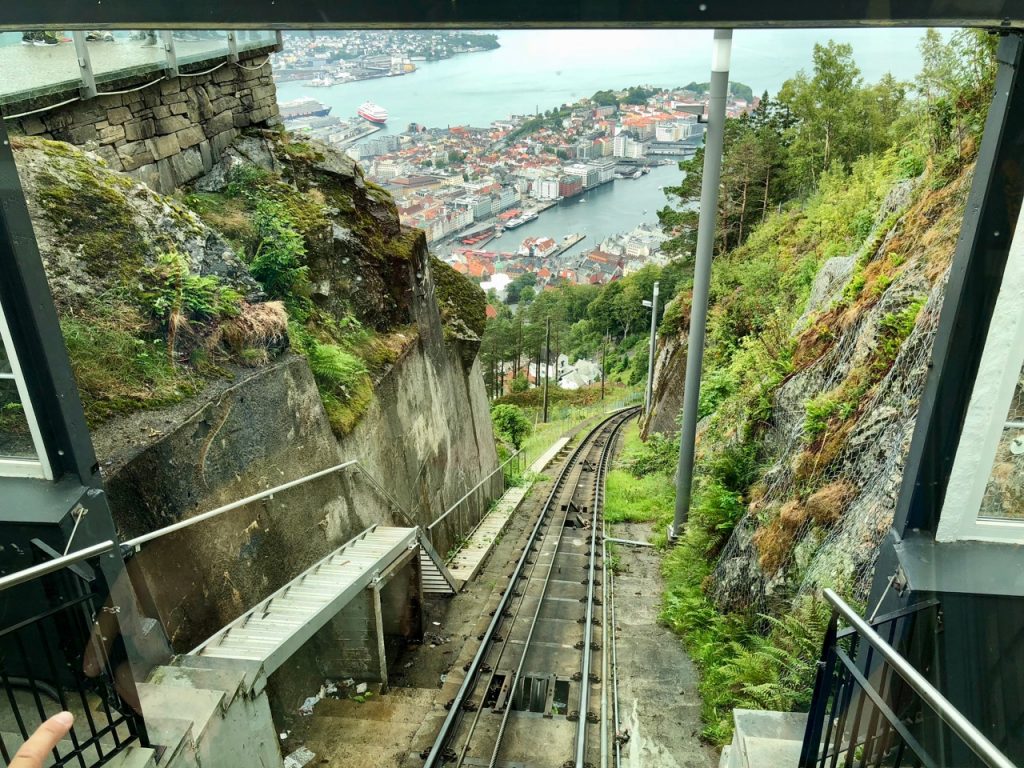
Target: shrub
(658, 455)
(520, 384)
(827, 505)
(336, 369)
(278, 261)
(169, 288)
(510, 424)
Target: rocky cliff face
(833, 433)
(234, 419)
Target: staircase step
(195, 706)
(133, 757)
(760, 752)
(229, 681)
(175, 735)
(769, 724)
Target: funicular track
(534, 693)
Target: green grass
(635, 499)
(119, 369)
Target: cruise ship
(372, 112)
(291, 110)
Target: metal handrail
(139, 540)
(474, 489)
(950, 715)
(51, 566)
(386, 494)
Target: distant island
(738, 90)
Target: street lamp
(653, 305)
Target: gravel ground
(658, 699)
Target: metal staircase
(278, 626)
(435, 579)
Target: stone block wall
(169, 133)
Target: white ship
(373, 112)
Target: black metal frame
(889, 723)
(43, 655)
(974, 280)
(330, 14)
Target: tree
(510, 424)
(514, 290)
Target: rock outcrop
(242, 422)
(838, 424)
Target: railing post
(819, 700)
(88, 89)
(171, 55)
(232, 46)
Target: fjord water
(540, 69)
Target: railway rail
(538, 691)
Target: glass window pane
(200, 45)
(1004, 493)
(36, 63)
(15, 437)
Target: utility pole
(547, 364)
(713, 143)
(604, 351)
(653, 303)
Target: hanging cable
(132, 90)
(204, 72)
(253, 69)
(42, 109)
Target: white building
(548, 189)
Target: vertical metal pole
(604, 352)
(713, 143)
(650, 354)
(171, 55)
(84, 65)
(547, 364)
(233, 46)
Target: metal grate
(41, 670)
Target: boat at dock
(292, 110)
(518, 221)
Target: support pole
(88, 88)
(650, 354)
(547, 364)
(604, 352)
(713, 144)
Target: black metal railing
(47, 628)
(873, 707)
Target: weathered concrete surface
(658, 696)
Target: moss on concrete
(459, 297)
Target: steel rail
(588, 621)
(529, 638)
(435, 757)
(51, 566)
(146, 537)
(501, 653)
(950, 715)
(536, 615)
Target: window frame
(10, 466)
(999, 371)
